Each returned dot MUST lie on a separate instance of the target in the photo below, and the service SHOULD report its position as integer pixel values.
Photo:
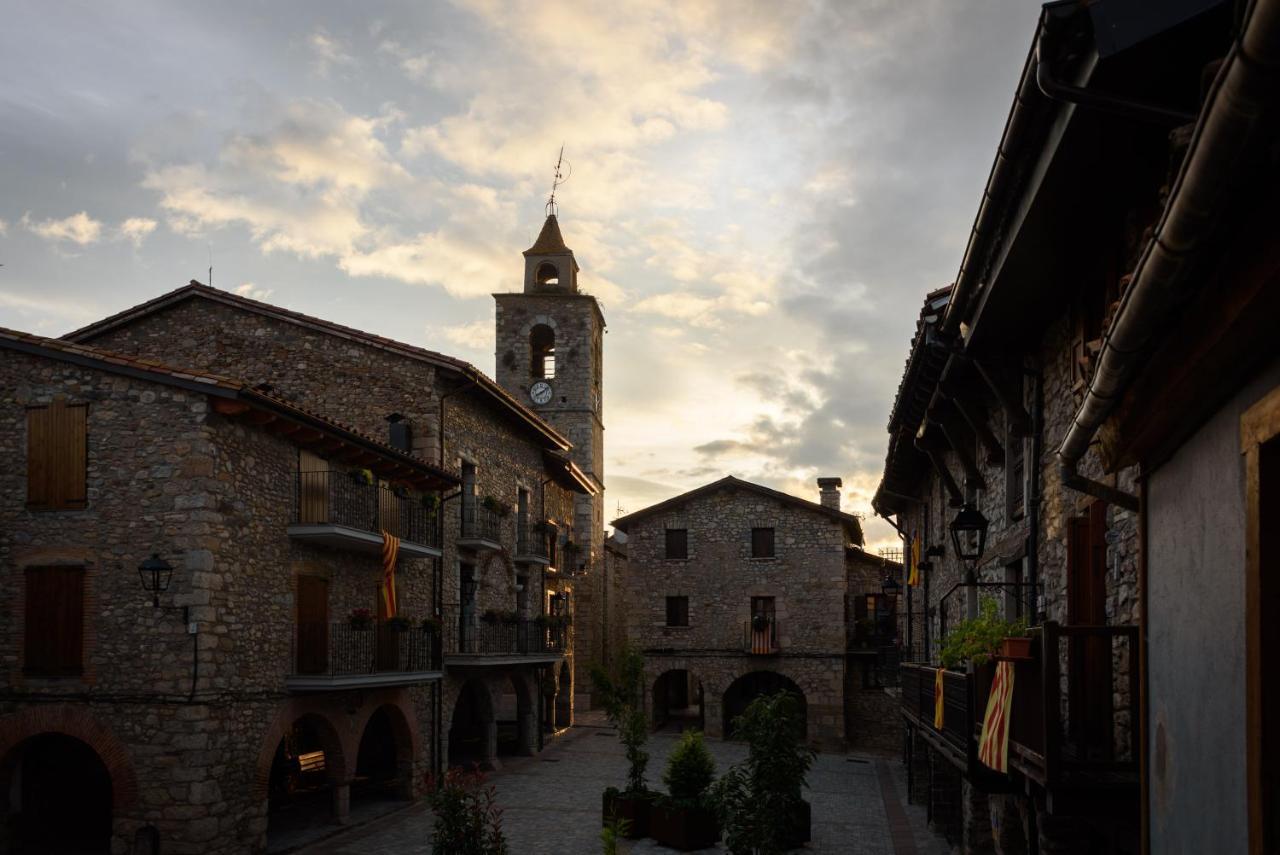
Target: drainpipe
(1033, 493)
(437, 731)
(1231, 126)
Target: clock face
(540, 392)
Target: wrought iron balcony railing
(471, 634)
(480, 523)
(343, 499)
(531, 540)
(344, 649)
(761, 641)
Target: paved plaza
(551, 803)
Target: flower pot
(1016, 648)
(683, 828)
(799, 832)
(633, 808)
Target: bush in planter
(622, 693)
(490, 503)
(360, 619)
(683, 820)
(510, 618)
(758, 801)
(432, 624)
(399, 624)
(491, 616)
(978, 639)
(614, 827)
(467, 818)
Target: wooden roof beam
(1003, 387)
(975, 415)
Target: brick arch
(335, 747)
(72, 721)
(404, 724)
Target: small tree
(623, 696)
(468, 819)
(757, 800)
(690, 770)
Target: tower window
(542, 352)
(548, 275)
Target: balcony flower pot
(682, 827)
(360, 619)
(399, 624)
(491, 504)
(633, 807)
(490, 617)
(510, 618)
(432, 624)
(1015, 647)
(362, 476)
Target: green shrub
(978, 639)
(690, 770)
(468, 819)
(623, 695)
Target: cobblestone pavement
(551, 803)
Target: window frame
(45, 463)
(667, 544)
(40, 629)
(772, 542)
(681, 602)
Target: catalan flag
(937, 700)
(913, 574)
(993, 745)
(390, 550)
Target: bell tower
(549, 340)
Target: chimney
(829, 492)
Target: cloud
(328, 52)
(45, 311)
(78, 228)
(4, 229)
(253, 292)
(136, 229)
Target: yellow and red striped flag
(937, 700)
(993, 745)
(390, 550)
(913, 574)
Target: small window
(57, 456)
(1015, 473)
(677, 543)
(54, 621)
(762, 543)
(548, 275)
(400, 434)
(677, 611)
(542, 352)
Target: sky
(761, 193)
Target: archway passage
(516, 715)
(299, 787)
(677, 702)
(472, 728)
(748, 687)
(57, 797)
(564, 698)
(384, 761)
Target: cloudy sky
(761, 192)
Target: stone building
(990, 417)
(181, 721)
(733, 590)
(498, 585)
(550, 356)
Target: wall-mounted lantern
(156, 574)
(969, 521)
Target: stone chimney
(829, 492)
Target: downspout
(437, 729)
(1231, 124)
(1033, 493)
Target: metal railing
(470, 633)
(761, 642)
(918, 704)
(343, 648)
(531, 539)
(480, 523)
(340, 498)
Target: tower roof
(549, 240)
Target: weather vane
(560, 178)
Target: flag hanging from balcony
(993, 746)
(390, 549)
(937, 700)
(913, 575)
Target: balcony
(328, 656)
(481, 528)
(762, 641)
(472, 641)
(334, 509)
(531, 543)
(956, 740)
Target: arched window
(548, 275)
(542, 352)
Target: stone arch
(385, 721)
(49, 778)
(330, 735)
(405, 720)
(547, 275)
(672, 694)
(747, 687)
(517, 714)
(473, 735)
(78, 724)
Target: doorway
(1089, 666)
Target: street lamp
(155, 573)
(969, 521)
(890, 586)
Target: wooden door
(1089, 668)
(313, 488)
(313, 625)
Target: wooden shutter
(313, 624)
(57, 456)
(54, 620)
(677, 543)
(762, 543)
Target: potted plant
(622, 693)
(362, 476)
(683, 819)
(491, 616)
(360, 619)
(430, 501)
(399, 623)
(510, 618)
(979, 639)
(432, 624)
(467, 817)
(758, 801)
(490, 503)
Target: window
(542, 352)
(548, 275)
(400, 433)
(677, 611)
(54, 621)
(1015, 475)
(761, 543)
(57, 456)
(763, 606)
(677, 543)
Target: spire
(549, 240)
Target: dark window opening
(677, 611)
(54, 621)
(542, 352)
(548, 275)
(762, 543)
(677, 543)
(400, 434)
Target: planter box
(801, 820)
(634, 809)
(683, 828)
(1015, 648)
